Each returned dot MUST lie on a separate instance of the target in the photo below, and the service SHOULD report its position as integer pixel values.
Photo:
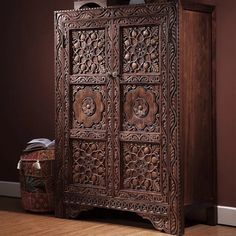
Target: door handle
(112, 75)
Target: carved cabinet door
(145, 114)
(88, 104)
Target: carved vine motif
(88, 106)
(88, 48)
(87, 79)
(88, 134)
(141, 49)
(140, 79)
(139, 137)
(140, 108)
(89, 163)
(141, 166)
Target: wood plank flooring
(14, 221)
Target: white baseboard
(9, 189)
(227, 215)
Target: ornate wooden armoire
(135, 111)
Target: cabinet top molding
(206, 6)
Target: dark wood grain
(118, 113)
(198, 83)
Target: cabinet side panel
(59, 121)
(197, 107)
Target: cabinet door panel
(142, 162)
(146, 152)
(90, 101)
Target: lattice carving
(88, 48)
(147, 207)
(89, 163)
(141, 49)
(141, 167)
(147, 197)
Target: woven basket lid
(40, 155)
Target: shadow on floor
(94, 215)
(115, 217)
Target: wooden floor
(14, 221)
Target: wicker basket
(36, 179)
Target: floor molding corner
(9, 189)
(227, 215)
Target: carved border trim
(88, 135)
(116, 203)
(140, 137)
(135, 79)
(114, 11)
(87, 80)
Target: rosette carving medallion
(140, 108)
(88, 106)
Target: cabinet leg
(73, 211)
(212, 215)
(160, 223)
(60, 210)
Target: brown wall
(27, 77)
(226, 101)
(27, 84)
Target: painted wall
(27, 84)
(226, 101)
(27, 77)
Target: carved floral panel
(89, 163)
(88, 107)
(141, 107)
(88, 51)
(141, 169)
(141, 49)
